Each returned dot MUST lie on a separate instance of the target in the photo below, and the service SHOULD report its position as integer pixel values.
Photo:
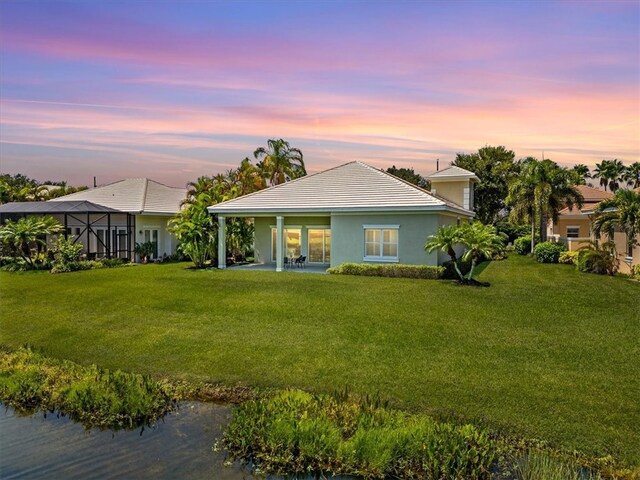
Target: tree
(409, 175)
(610, 173)
(494, 167)
(579, 174)
(620, 212)
(632, 175)
(280, 162)
(481, 241)
(196, 231)
(22, 236)
(540, 191)
(445, 239)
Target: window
(381, 243)
(292, 240)
(573, 232)
(629, 249)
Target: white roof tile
(133, 195)
(353, 186)
(452, 173)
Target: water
(179, 446)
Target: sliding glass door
(319, 245)
(292, 241)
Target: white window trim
(566, 230)
(380, 258)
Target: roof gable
(134, 195)
(354, 186)
(452, 173)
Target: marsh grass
(539, 466)
(295, 432)
(95, 397)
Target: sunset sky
(175, 90)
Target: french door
(151, 235)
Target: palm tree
(580, 173)
(521, 197)
(279, 162)
(445, 239)
(539, 193)
(620, 212)
(632, 175)
(22, 235)
(482, 241)
(610, 173)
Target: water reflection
(178, 446)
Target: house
(350, 213)
(109, 220)
(573, 228)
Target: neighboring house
(350, 213)
(573, 228)
(109, 220)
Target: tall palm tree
(540, 191)
(622, 211)
(201, 189)
(280, 162)
(580, 173)
(610, 173)
(632, 175)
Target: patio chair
(300, 261)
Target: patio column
(222, 242)
(279, 242)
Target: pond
(178, 446)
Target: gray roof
(133, 195)
(452, 173)
(45, 208)
(352, 187)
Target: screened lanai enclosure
(104, 232)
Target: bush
(548, 252)
(300, 433)
(30, 381)
(635, 272)
(600, 259)
(425, 272)
(88, 265)
(568, 258)
(522, 245)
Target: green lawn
(545, 352)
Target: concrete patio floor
(272, 268)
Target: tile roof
(592, 196)
(351, 187)
(70, 206)
(133, 195)
(452, 173)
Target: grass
(294, 432)
(545, 352)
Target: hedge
(425, 272)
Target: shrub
(426, 272)
(568, 258)
(96, 397)
(635, 272)
(112, 262)
(522, 245)
(297, 432)
(600, 259)
(548, 252)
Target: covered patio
(270, 267)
